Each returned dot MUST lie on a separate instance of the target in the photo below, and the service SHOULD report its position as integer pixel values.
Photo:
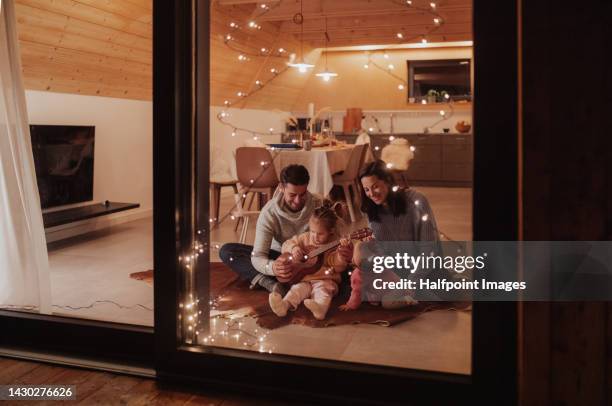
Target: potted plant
(432, 96)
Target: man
(284, 216)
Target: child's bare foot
(345, 307)
(318, 310)
(278, 305)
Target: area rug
(229, 293)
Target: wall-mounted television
(64, 161)
(437, 76)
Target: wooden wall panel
(567, 196)
(92, 47)
(370, 89)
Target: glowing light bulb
(366, 66)
(391, 138)
(252, 24)
(400, 86)
(281, 50)
(233, 25)
(424, 40)
(389, 165)
(425, 217)
(395, 188)
(391, 67)
(302, 69)
(386, 55)
(432, 5)
(412, 148)
(399, 35)
(436, 21)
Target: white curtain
(24, 263)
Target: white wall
(223, 145)
(123, 156)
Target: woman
(402, 222)
(394, 214)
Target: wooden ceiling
(365, 22)
(91, 47)
(104, 47)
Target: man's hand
(346, 250)
(283, 268)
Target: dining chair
(347, 178)
(256, 173)
(239, 214)
(220, 177)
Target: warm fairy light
(446, 96)
(399, 35)
(409, 2)
(389, 165)
(442, 113)
(366, 66)
(400, 86)
(228, 37)
(274, 71)
(425, 217)
(281, 50)
(390, 66)
(432, 5)
(264, 50)
(233, 133)
(258, 82)
(233, 25)
(391, 138)
(395, 188)
(437, 21)
(423, 101)
(271, 129)
(242, 57)
(376, 148)
(386, 55)
(227, 102)
(413, 148)
(252, 24)
(424, 40)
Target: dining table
(321, 162)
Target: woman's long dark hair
(395, 200)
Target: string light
(432, 5)
(399, 35)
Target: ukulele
(313, 260)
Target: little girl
(317, 289)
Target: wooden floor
(103, 388)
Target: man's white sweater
(276, 224)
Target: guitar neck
(324, 248)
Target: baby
(362, 288)
(317, 289)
